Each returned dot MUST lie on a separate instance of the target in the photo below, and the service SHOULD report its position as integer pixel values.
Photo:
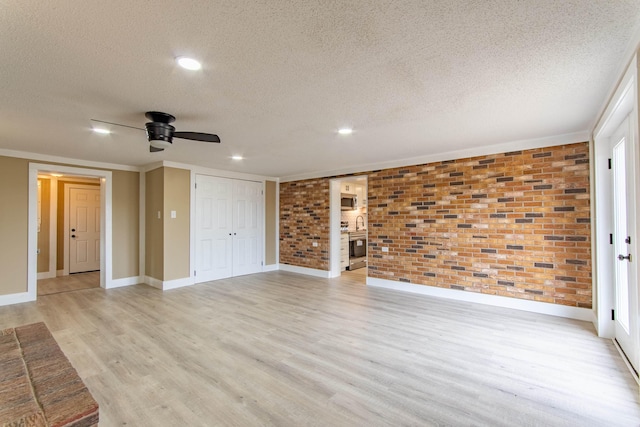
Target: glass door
(626, 293)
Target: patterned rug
(38, 385)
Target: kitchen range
(357, 249)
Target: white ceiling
(413, 78)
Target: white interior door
(214, 228)
(84, 228)
(247, 227)
(626, 286)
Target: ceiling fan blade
(153, 149)
(197, 136)
(115, 124)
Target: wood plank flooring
(72, 282)
(290, 350)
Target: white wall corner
(153, 282)
(271, 267)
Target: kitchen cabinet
(361, 194)
(344, 251)
(348, 187)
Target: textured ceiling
(413, 78)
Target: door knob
(622, 257)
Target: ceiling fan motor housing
(160, 134)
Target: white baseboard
(152, 281)
(577, 313)
(169, 284)
(17, 298)
(46, 275)
(304, 270)
(272, 267)
(126, 281)
(177, 283)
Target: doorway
(69, 236)
(55, 174)
(349, 228)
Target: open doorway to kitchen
(349, 228)
(69, 229)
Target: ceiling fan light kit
(160, 135)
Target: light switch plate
(173, 214)
(385, 249)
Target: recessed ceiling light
(237, 157)
(188, 63)
(102, 131)
(345, 131)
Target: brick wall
(304, 219)
(514, 224)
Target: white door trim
(53, 226)
(106, 184)
(334, 227)
(623, 103)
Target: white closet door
(247, 227)
(214, 228)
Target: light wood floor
(72, 282)
(289, 350)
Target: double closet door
(229, 221)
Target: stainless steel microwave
(348, 202)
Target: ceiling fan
(160, 132)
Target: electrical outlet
(159, 215)
(315, 244)
(385, 249)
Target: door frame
(623, 103)
(106, 185)
(53, 225)
(335, 213)
(65, 222)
